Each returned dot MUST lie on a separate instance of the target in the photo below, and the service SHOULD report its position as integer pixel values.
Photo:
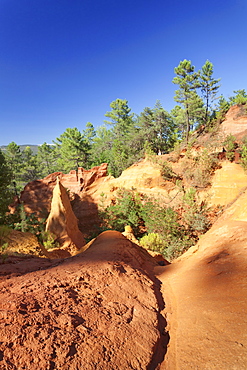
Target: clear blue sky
(62, 62)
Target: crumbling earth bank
(98, 310)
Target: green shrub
(243, 152)
(199, 169)
(159, 219)
(167, 232)
(167, 172)
(48, 240)
(152, 242)
(230, 146)
(170, 250)
(195, 212)
(163, 221)
(125, 210)
(178, 247)
(29, 222)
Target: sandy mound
(98, 310)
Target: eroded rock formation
(62, 222)
(235, 122)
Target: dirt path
(206, 297)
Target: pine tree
(72, 150)
(14, 161)
(186, 95)
(157, 128)
(209, 87)
(222, 108)
(30, 168)
(46, 159)
(240, 97)
(120, 117)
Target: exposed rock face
(62, 221)
(129, 234)
(235, 122)
(83, 185)
(37, 194)
(227, 183)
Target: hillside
(33, 147)
(111, 304)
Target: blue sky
(62, 62)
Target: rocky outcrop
(62, 222)
(129, 234)
(235, 122)
(37, 194)
(227, 183)
(83, 186)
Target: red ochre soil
(97, 310)
(114, 307)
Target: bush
(125, 210)
(199, 169)
(195, 213)
(7, 194)
(243, 152)
(152, 242)
(230, 146)
(31, 223)
(167, 172)
(166, 233)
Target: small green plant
(178, 247)
(230, 147)
(152, 242)
(48, 240)
(4, 232)
(167, 172)
(102, 201)
(195, 212)
(30, 223)
(168, 231)
(243, 153)
(125, 209)
(149, 153)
